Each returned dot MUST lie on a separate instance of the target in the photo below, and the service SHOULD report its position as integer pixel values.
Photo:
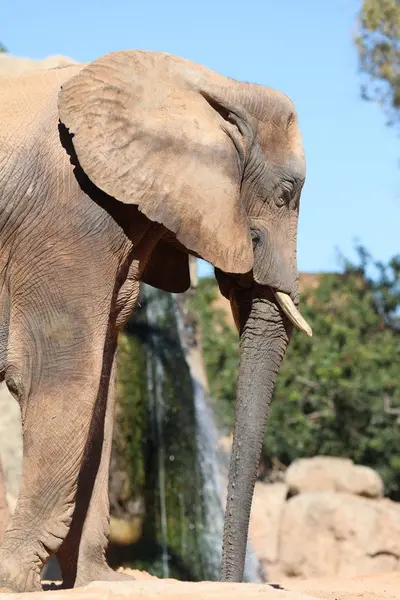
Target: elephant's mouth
(283, 300)
(292, 312)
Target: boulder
(325, 534)
(10, 444)
(328, 473)
(4, 515)
(266, 511)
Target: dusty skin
(105, 216)
(146, 587)
(269, 245)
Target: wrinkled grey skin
(142, 159)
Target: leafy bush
(338, 393)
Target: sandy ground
(385, 586)
(373, 587)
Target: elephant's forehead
(283, 146)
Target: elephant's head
(220, 165)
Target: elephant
(113, 173)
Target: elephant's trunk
(264, 337)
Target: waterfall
(207, 437)
(171, 480)
(156, 410)
(182, 481)
(214, 465)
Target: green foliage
(220, 348)
(338, 393)
(378, 43)
(2, 48)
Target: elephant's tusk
(289, 308)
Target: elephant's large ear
(175, 152)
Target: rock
(266, 511)
(125, 532)
(328, 473)
(4, 514)
(338, 534)
(10, 444)
(225, 444)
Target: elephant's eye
(280, 201)
(284, 196)
(255, 236)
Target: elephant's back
(28, 104)
(15, 66)
(34, 166)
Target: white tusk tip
(292, 312)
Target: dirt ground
(385, 586)
(372, 587)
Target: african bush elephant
(112, 173)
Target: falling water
(184, 480)
(174, 479)
(214, 488)
(214, 465)
(207, 441)
(156, 409)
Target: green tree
(2, 48)
(378, 42)
(220, 348)
(338, 393)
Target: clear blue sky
(303, 48)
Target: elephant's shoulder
(28, 103)
(39, 83)
(17, 67)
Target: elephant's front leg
(82, 554)
(57, 368)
